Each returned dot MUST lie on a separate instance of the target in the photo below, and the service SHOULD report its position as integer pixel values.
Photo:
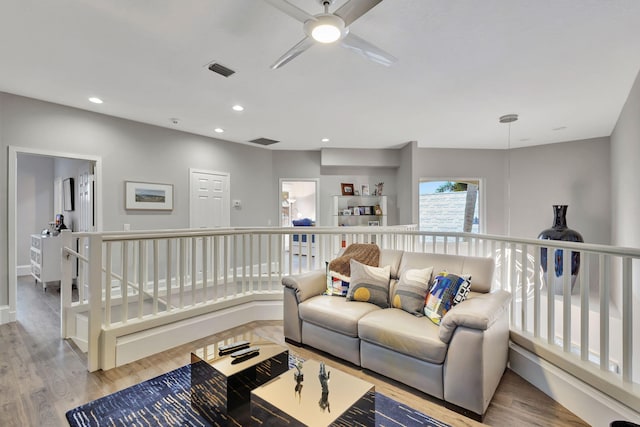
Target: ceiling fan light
(325, 33)
(326, 28)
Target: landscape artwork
(148, 196)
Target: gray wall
(625, 176)
(34, 201)
(487, 165)
(134, 151)
(573, 173)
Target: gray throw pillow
(369, 284)
(411, 291)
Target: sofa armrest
(479, 312)
(306, 285)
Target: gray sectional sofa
(461, 361)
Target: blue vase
(560, 231)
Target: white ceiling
(462, 64)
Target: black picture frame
(68, 194)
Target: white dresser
(46, 258)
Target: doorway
(209, 205)
(15, 210)
(298, 201)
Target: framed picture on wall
(347, 189)
(148, 196)
(67, 194)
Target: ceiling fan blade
(354, 9)
(293, 11)
(302, 45)
(369, 51)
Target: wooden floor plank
(42, 376)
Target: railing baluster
(205, 269)
(627, 319)
(584, 280)
(156, 281)
(194, 269)
(512, 277)
(566, 300)
(524, 285)
(225, 266)
(269, 259)
(167, 280)
(107, 285)
(215, 256)
(124, 285)
(182, 267)
(234, 264)
(604, 312)
(260, 261)
(536, 292)
(551, 314)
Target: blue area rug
(165, 401)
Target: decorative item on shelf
(347, 189)
(346, 212)
(377, 191)
(323, 376)
(365, 190)
(374, 223)
(377, 210)
(367, 210)
(356, 210)
(299, 377)
(356, 192)
(560, 231)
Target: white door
(209, 204)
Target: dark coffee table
(221, 385)
(343, 400)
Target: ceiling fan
(330, 28)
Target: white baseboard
(23, 270)
(143, 344)
(593, 406)
(6, 315)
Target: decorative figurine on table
(299, 377)
(324, 383)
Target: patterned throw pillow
(447, 291)
(369, 284)
(337, 284)
(411, 291)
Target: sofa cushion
(411, 291)
(447, 291)
(336, 314)
(403, 332)
(369, 284)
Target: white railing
(126, 278)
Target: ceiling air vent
(221, 69)
(264, 141)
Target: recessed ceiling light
(218, 130)
(325, 140)
(560, 128)
(174, 120)
(237, 107)
(95, 100)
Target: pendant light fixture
(508, 119)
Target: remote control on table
(230, 348)
(245, 352)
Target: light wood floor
(42, 376)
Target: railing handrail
(112, 236)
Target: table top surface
(229, 366)
(304, 405)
